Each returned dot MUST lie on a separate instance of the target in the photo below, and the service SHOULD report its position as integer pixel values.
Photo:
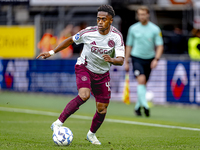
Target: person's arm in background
(159, 48)
(129, 43)
(127, 56)
(159, 51)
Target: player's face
(104, 20)
(143, 16)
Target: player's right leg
(138, 72)
(83, 84)
(72, 107)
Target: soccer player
(103, 46)
(142, 40)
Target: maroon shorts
(99, 84)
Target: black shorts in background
(141, 66)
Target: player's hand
(126, 66)
(154, 63)
(44, 55)
(107, 58)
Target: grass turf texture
(30, 131)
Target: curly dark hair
(107, 8)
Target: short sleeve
(119, 47)
(78, 39)
(129, 39)
(158, 38)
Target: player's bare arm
(60, 47)
(115, 61)
(127, 55)
(159, 51)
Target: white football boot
(92, 138)
(55, 125)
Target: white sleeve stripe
(88, 30)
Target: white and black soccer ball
(62, 136)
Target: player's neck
(145, 22)
(104, 32)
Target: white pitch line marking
(27, 111)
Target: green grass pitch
(28, 131)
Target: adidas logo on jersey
(93, 43)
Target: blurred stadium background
(24, 23)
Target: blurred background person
(142, 39)
(177, 42)
(64, 34)
(194, 45)
(47, 42)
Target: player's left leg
(99, 116)
(147, 72)
(97, 122)
(101, 92)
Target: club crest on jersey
(84, 78)
(111, 43)
(77, 36)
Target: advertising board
(17, 41)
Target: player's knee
(142, 82)
(141, 79)
(84, 96)
(84, 93)
(102, 109)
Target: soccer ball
(149, 97)
(62, 136)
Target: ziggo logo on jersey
(96, 50)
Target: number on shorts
(108, 85)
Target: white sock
(89, 132)
(58, 122)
